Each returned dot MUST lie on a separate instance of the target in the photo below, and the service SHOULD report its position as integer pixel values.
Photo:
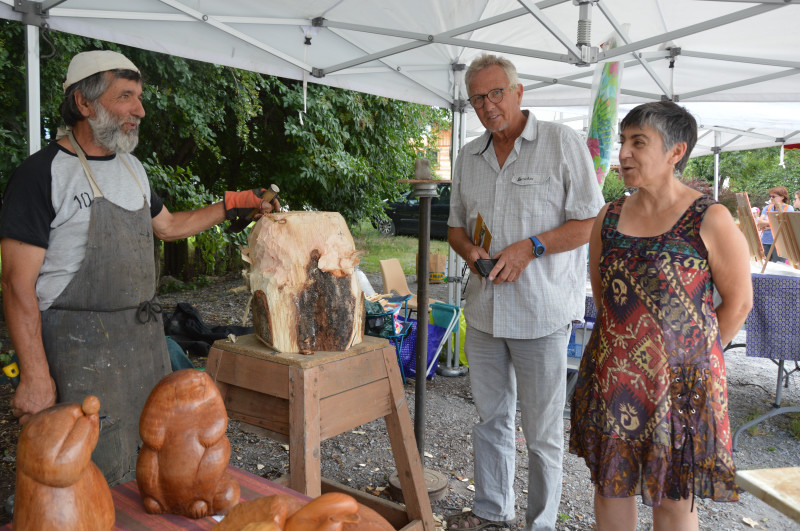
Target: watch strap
(538, 246)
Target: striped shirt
(548, 179)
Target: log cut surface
(306, 297)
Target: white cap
(86, 64)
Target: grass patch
(375, 246)
(794, 425)
(754, 430)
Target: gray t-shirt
(48, 203)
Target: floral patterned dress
(650, 410)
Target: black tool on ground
(240, 223)
(485, 265)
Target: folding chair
(448, 317)
(394, 279)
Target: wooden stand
(302, 400)
(747, 224)
(786, 236)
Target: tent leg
(32, 74)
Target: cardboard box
(437, 268)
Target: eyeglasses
(494, 95)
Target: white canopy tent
(725, 51)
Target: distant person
(797, 200)
(650, 411)
(534, 185)
(778, 197)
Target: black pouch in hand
(485, 266)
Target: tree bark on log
(306, 296)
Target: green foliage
(181, 190)
(794, 425)
(754, 172)
(210, 128)
(348, 150)
(614, 187)
(231, 127)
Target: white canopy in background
(725, 52)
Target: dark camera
(485, 266)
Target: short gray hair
(486, 60)
(674, 123)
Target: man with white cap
(78, 274)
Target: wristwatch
(538, 247)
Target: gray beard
(107, 132)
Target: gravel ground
(362, 458)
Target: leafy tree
(224, 128)
(754, 171)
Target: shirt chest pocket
(529, 189)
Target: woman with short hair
(649, 413)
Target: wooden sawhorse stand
(305, 399)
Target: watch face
(538, 250)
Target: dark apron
(103, 335)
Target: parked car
(404, 215)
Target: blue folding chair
(448, 317)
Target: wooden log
(306, 296)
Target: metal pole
(422, 322)
(716, 151)
(33, 91)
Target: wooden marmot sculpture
(182, 464)
(58, 485)
(333, 511)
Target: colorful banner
(603, 125)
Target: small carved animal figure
(266, 512)
(333, 511)
(58, 485)
(181, 465)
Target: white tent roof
(725, 51)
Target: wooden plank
(778, 487)
(404, 448)
(251, 346)
(258, 409)
(304, 432)
(248, 372)
(394, 513)
(353, 408)
(786, 236)
(786, 243)
(748, 227)
(352, 372)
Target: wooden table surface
(131, 516)
(778, 487)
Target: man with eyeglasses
(533, 185)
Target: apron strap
(88, 170)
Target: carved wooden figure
(267, 511)
(58, 485)
(182, 464)
(333, 511)
(306, 296)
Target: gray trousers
(533, 370)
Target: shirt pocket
(529, 192)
